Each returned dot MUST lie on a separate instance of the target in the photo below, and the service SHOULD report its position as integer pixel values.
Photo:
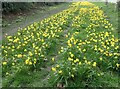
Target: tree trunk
(106, 2)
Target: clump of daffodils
(91, 43)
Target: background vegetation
(20, 6)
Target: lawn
(76, 47)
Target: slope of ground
(40, 78)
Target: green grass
(109, 79)
(0, 42)
(0, 65)
(112, 14)
(40, 78)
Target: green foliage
(79, 75)
(16, 6)
(90, 50)
(20, 6)
(118, 4)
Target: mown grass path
(44, 81)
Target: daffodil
(84, 50)
(53, 59)
(77, 60)
(7, 73)
(60, 72)
(4, 63)
(70, 59)
(19, 55)
(88, 62)
(30, 53)
(30, 63)
(27, 61)
(94, 64)
(72, 55)
(79, 63)
(117, 64)
(13, 64)
(98, 74)
(100, 58)
(53, 69)
(72, 75)
(57, 66)
(106, 26)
